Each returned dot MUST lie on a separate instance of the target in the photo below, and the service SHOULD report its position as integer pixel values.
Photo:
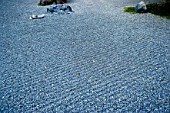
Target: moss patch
(40, 4)
(129, 9)
(160, 9)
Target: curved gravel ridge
(97, 59)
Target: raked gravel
(97, 59)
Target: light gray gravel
(98, 59)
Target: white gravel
(97, 59)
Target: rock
(60, 8)
(37, 16)
(60, 1)
(141, 7)
(46, 2)
(49, 2)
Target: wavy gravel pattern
(98, 59)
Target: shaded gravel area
(98, 59)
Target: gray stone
(59, 8)
(141, 7)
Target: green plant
(160, 9)
(39, 4)
(130, 9)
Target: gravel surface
(98, 59)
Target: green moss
(129, 9)
(160, 9)
(40, 4)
